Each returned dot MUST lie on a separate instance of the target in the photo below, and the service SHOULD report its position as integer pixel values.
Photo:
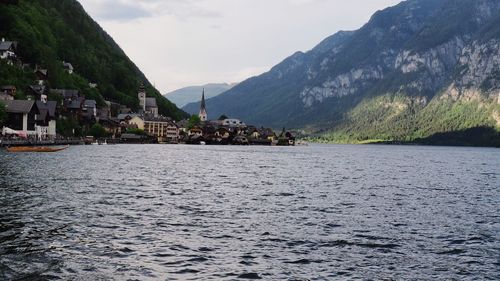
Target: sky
(180, 43)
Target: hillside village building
(8, 51)
(7, 92)
(68, 67)
(148, 105)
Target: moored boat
(35, 148)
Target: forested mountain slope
(49, 32)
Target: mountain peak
(415, 50)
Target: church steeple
(142, 97)
(203, 111)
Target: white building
(8, 50)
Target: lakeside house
(46, 120)
(89, 110)
(21, 117)
(162, 128)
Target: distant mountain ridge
(186, 95)
(416, 69)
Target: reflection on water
(224, 213)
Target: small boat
(35, 148)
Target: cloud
(179, 43)
(129, 10)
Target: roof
(7, 45)
(42, 71)
(43, 113)
(37, 89)
(151, 118)
(151, 102)
(49, 107)
(122, 116)
(74, 103)
(89, 103)
(131, 136)
(111, 121)
(202, 105)
(18, 106)
(68, 65)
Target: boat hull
(35, 149)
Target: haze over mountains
(416, 69)
(186, 95)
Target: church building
(203, 111)
(147, 105)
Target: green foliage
(399, 118)
(11, 75)
(97, 130)
(136, 131)
(193, 121)
(68, 127)
(3, 113)
(52, 31)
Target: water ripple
(132, 212)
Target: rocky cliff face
(419, 49)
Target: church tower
(142, 97)
(203, 111)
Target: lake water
(320, 212)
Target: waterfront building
(46, 119)
(21, 116)
(89, 109)
(233, 123)
(195, 132)
(72, 101)
(162, 128)
(203, 110)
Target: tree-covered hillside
(49, 32)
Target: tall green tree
(97, 131)
(193, 121)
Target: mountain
(49, 32)
(186, 95)
(417, 69)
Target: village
(64, 116)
